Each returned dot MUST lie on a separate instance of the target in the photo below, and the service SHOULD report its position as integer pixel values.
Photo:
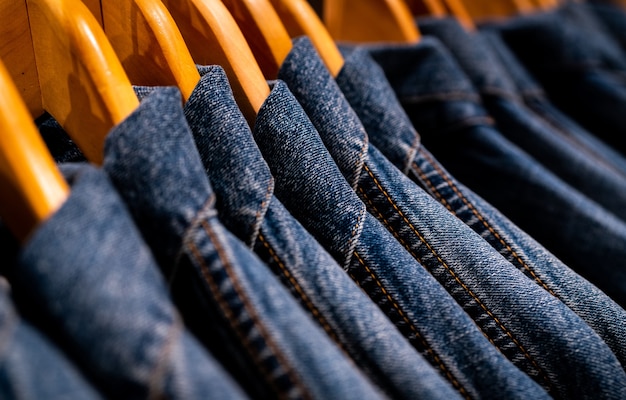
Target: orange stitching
(488, 226)
(428, 349)
(454, 275)
(316, 313)
(433, 189)
(229, 314)
(400, 239)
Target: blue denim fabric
(582, 70)
(61, 146)
(30, 366)
(389, 128)
(87, 280)
(613, 19)
(313, 189)
(454, 126)
(247, 206)
(490, 289)
(227, 296)
(521, 126)
(536, 99)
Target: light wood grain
(82, 82)
(149, 44)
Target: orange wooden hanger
(370, 21)
(485, 9)
(79, 79)
(32, 186)
(300, 19)
(149, 44)
(547, 4)
(213, 37)
(457, 8)
(441, 8)
(264, 32)
(436, 8)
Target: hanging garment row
(434, 209)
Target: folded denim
(491, 290)
(86, 278)
(521, 125)
(247, 206)
(454, 126)
(31, 367)
(228, 297)
(389, 128)
(537, 100)
(580, 66)
(312, 188)
(613, 19)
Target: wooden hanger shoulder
(82, 82)
(300, 19)
(149, 44)
(264, 32)
(32, 186)
(213, 37)
(370, 21)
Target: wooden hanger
(300, 19)
(435, 8)
(370, 21)
(149, 44)
(264, 32)
(32, 186)
(547, 4)
(485, 9)
(79, 78)
(457, 8)
(442, 8)
(213, 37)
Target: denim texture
(389, 128)
(244, 189)
(228, 297)
(537, 100)
(521, 125)
(87, 280)
(30, 366)
(581, 68)
(491, 290)
(612, 18)
(454, 126)
(313, 189)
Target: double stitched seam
(456, 277)
(400, 239)
(303, 296)
(157, 377)
(483, 221)
(246, 303)
(411, 326)
(432, 188)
